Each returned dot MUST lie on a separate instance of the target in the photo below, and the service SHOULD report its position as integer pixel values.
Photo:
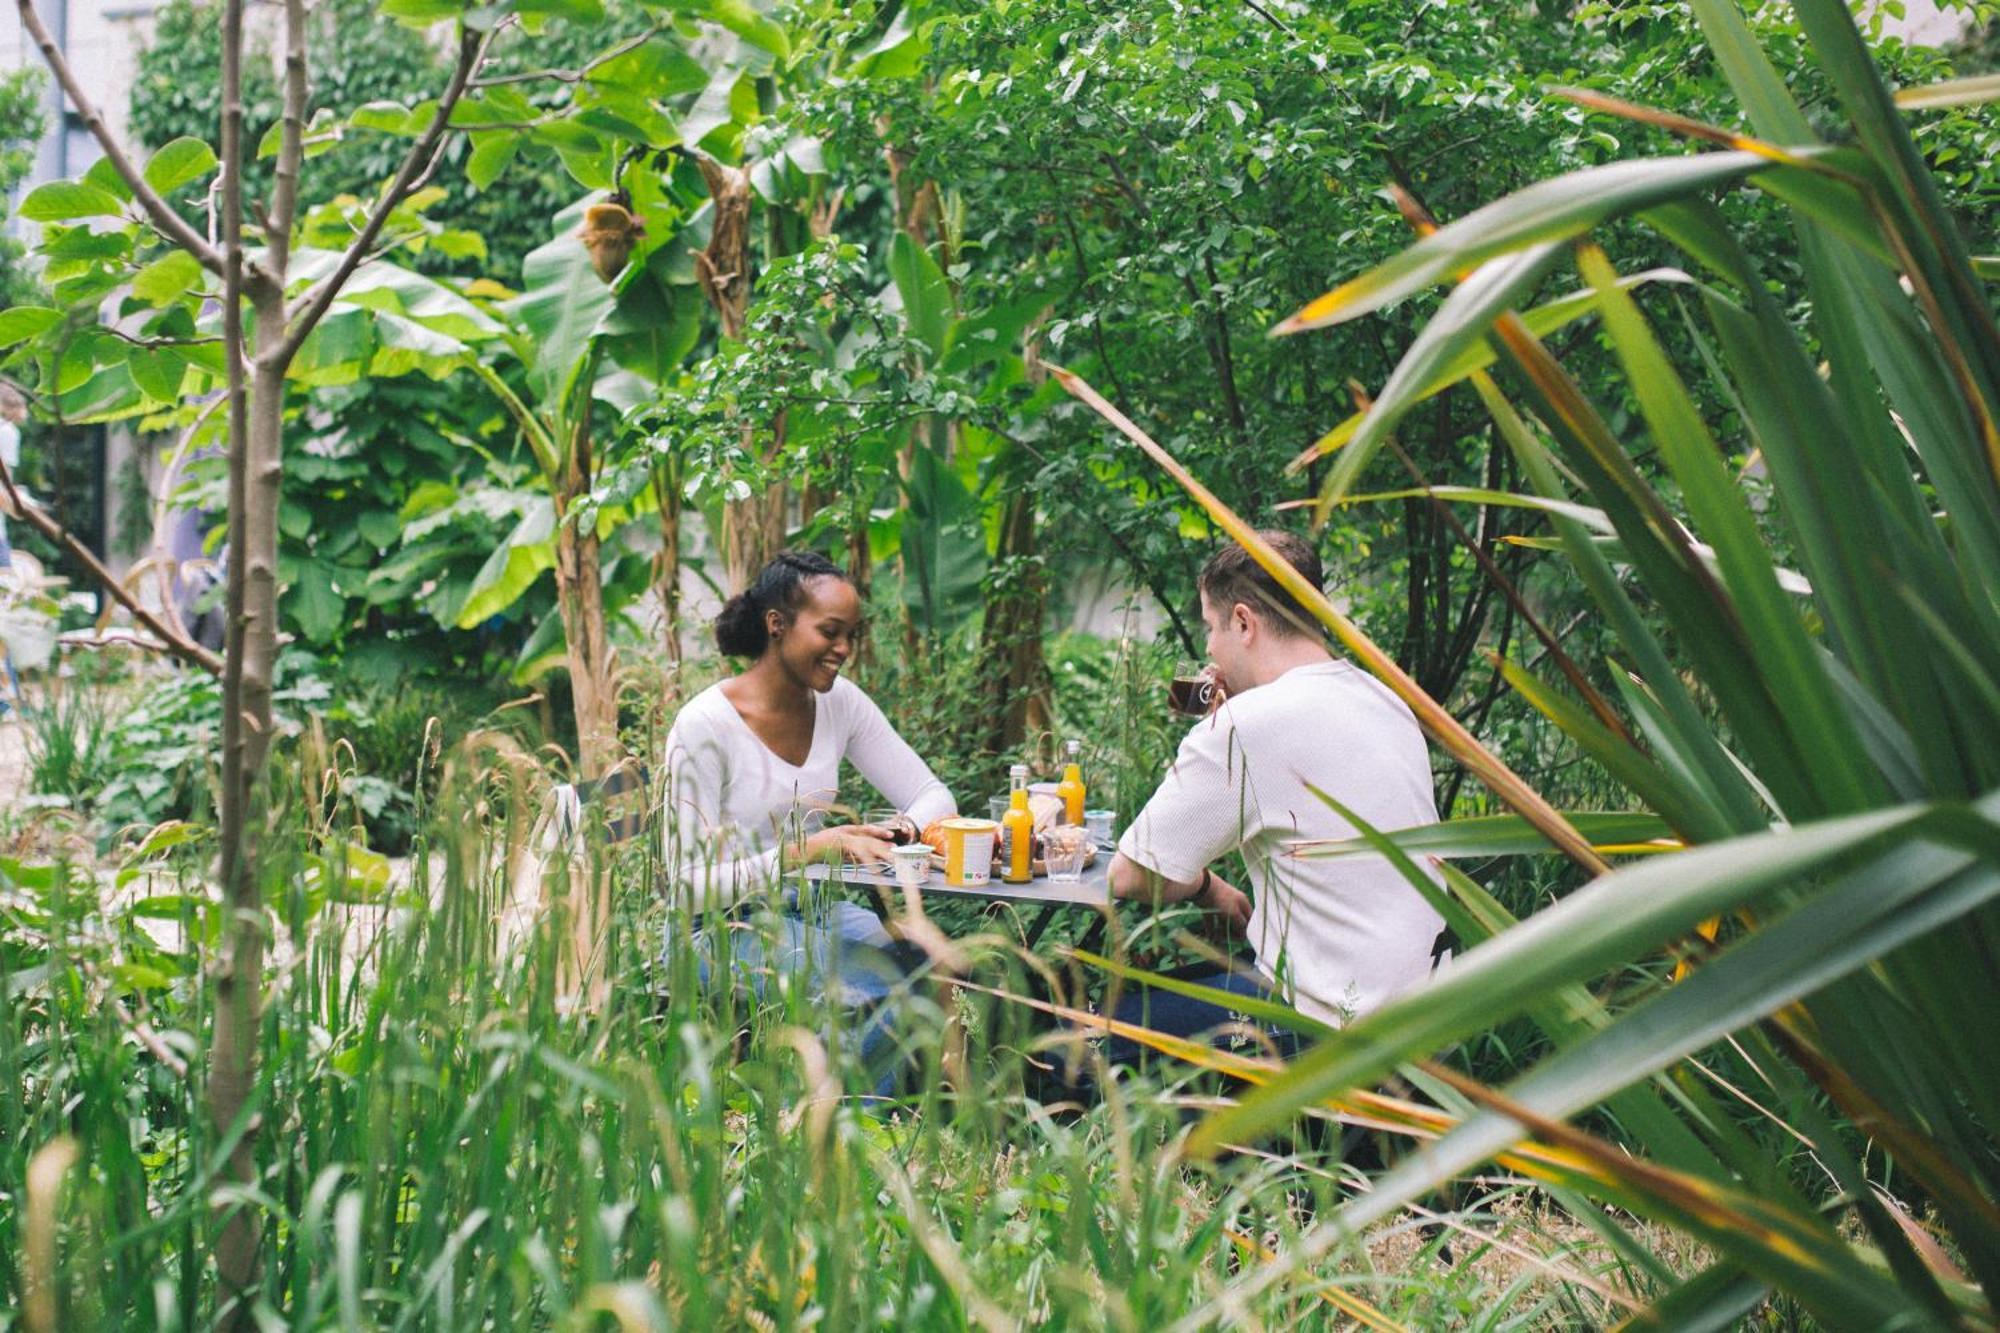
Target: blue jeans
(845, 954)
(1184, 1016)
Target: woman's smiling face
(816, 640)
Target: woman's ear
(774, 622)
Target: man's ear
(1242, 618)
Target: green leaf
(22, 322)
(380, 529)
(1865, 916)
(562, 306)
(1504, 835)
(1614, 918)
(1551, 210)
(178, 162)
(159, 373)
(60, 201)
(742, 18)
(899, 54)
(388, 117)
(313, 602)
(166, 278)
(512, 569)
(490, 155)
(941, 545)
(1950, 92)
(422, 13)
(576, 11)
(104, 175)
(925, 293)
(1493, 288)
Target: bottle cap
(1018, 771)
(1072, 745)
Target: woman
(752, 763)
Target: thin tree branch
(172, 224)
(573, 75)
(137, 341)
(417, 165)
(178, 644)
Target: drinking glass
(1099, 824)
(901, 831)
(1194, 691)
(1065, 848)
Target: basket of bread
(1048, 815)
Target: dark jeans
(1184, 1016)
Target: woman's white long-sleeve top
(730, 799)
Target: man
(1333, 937)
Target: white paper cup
(912, 865)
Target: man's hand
(1226, 901)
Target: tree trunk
(753, 529)
(580, 600)
(246, 692)
(1018, 693)
(667, 577)
(254, 410)
(861, 573)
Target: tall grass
(451, 1145)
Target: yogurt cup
(912, 865)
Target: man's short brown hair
(1233, 575)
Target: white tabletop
(1093, 890)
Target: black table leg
(1093, 939)
(1040, 924)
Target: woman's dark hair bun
(739, 630)
(780, 585)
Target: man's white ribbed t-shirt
(1337, 936)
(729, 796)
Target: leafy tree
(20, 129)
(213, 334)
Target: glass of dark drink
(1194, 690)
(896, 824)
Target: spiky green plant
(1823, 744)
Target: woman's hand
(861, 844)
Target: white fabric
(1336, 937)
(10, 448)
(729, 796)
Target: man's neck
(1286, 655)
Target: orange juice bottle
(1071, 789)
(1019, 827)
